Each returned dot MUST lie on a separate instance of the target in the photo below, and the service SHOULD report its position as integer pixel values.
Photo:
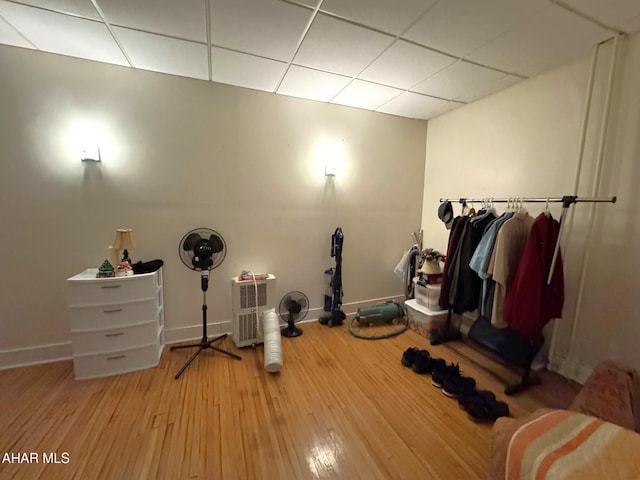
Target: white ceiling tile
(551, 31)
(312, 84)
(163, 54)
(8, 36)
(458, 27)
(612, 13)
(632, 25)
(183, 19)
(83, 8)
(457, 79)
(340, 47)
(366, 95)
(391, 16)
(269, 28)
(414, 105)
(58, 33)
(489, 88)
(405, 64)
(245, 70)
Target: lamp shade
(124, 239)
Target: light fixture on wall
(123, 241)
(91, 154)
(329, 168)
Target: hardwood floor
(340, 408)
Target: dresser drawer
(114, 339)
(112, 363)
(117, 315)
(102, 291)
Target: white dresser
(117, 324)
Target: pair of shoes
(408, 356)
(488, 411)
(422, 362)
(418, 360)
(475, 397)
(439, 371)
(456, 385)
(450, 380)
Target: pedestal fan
(294, 306)
(203, 250)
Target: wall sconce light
(91, 154)
(329, 168)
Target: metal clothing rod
(566, 199)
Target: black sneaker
(476, 397)
(437, 364)
(422, 362)
(455, 385)
(441, 371)
(408, 356)
(488, 411)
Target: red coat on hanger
(529, 302)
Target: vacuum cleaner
(333, 302)
(377, 315)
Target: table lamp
(123, 241)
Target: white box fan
(243, 308)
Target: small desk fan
(203, 250)
(294, 306)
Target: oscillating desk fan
(203, 250)
(294, 306)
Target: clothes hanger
(547, 212)
(472, 211)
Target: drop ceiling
(412, 58)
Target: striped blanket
(567, 445)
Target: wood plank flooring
(341, 407)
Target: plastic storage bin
(424, 320)
(428, 296)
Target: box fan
(245, 330)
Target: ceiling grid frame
(381, 18)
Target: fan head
(202, 249)
(294, 306)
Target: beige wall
(523, 142)
(179, 154)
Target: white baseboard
(194, 332)
(569, 368)
(22, 357)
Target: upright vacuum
(333, 303)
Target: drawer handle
(117, 357)
(115, 310)
(110, 286)
(114, 334)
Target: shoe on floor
(408, 356)
(488, 411)
(475, 397)
(454, 385)
(422, 362)
(440, 371)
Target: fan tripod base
(203, 345)
(291, 331)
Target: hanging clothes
(480, 263)
(464, 298)
(510, 242)
(454, 237)
(529, 302)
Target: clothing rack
(509, 335)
